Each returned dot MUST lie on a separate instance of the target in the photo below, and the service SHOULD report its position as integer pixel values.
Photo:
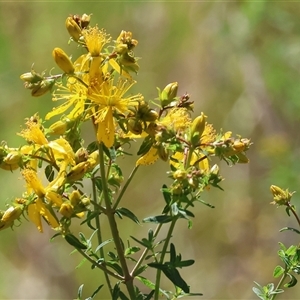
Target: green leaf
(186, 263)
(167, 195)
(146, 145)
(151, 285)
(174, 209)
(278, 271)
(150, 235)
(205, 203)
(289, 228)
(49, 173)
(115, 266)
(54, 236)
(79, 292)
(146, 282)
(81, 263)
(98, 183)
(144, 242)
(90, 216)
(140, 270)
(123, 296)
(83, 238)
(92, 147)
(149, 296)
(160, 219)
(103, 244)
(175, 277)
(132, 250)
(291, 250)
(122, 211)
(282, 246)
(74, 241)
(172, 253)
(116, 291)
(260, 292)
(292, 282)
(95, 292)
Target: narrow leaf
(289, 228)
(79, 292)
(74, 241)
(103, 244)
(158, 219)
(129, 214)
(292, 282)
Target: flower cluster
(95, 87)
(54, 160)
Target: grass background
(240, 63)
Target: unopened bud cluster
(280, 196)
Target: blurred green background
(240, 63)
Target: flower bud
(63, 61)
(66, 209)
(93, 160)
(168, 94)
(128, 62)
(77, 172)
(85, 201)
(179, 175)
(13, 158)
(150, 116)
(197, 128)
(75, 197)
(238, 146)
(162, 152)
(73, 29)
(280, 196)
(243, 159)
(31, 77)
(11, 214)
(85, 20)
(135, 126)
(58, 128)
(81, 155)
(42, 87)
(9, 167)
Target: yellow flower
(177, 118)
(95, 39)
(197, 157)
(107, 99)
(74, 95)
(33, 133)
(35, 185)
(149, 158)
(33, 182)
(37, 210)
(62, 151)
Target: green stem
(110, 213)
(188, 159)
(99, 265)
(162, 257)
(294, 213)
(99, 237)
(280, 283)
(145, 252)
(125, 187)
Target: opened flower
(107, 100)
